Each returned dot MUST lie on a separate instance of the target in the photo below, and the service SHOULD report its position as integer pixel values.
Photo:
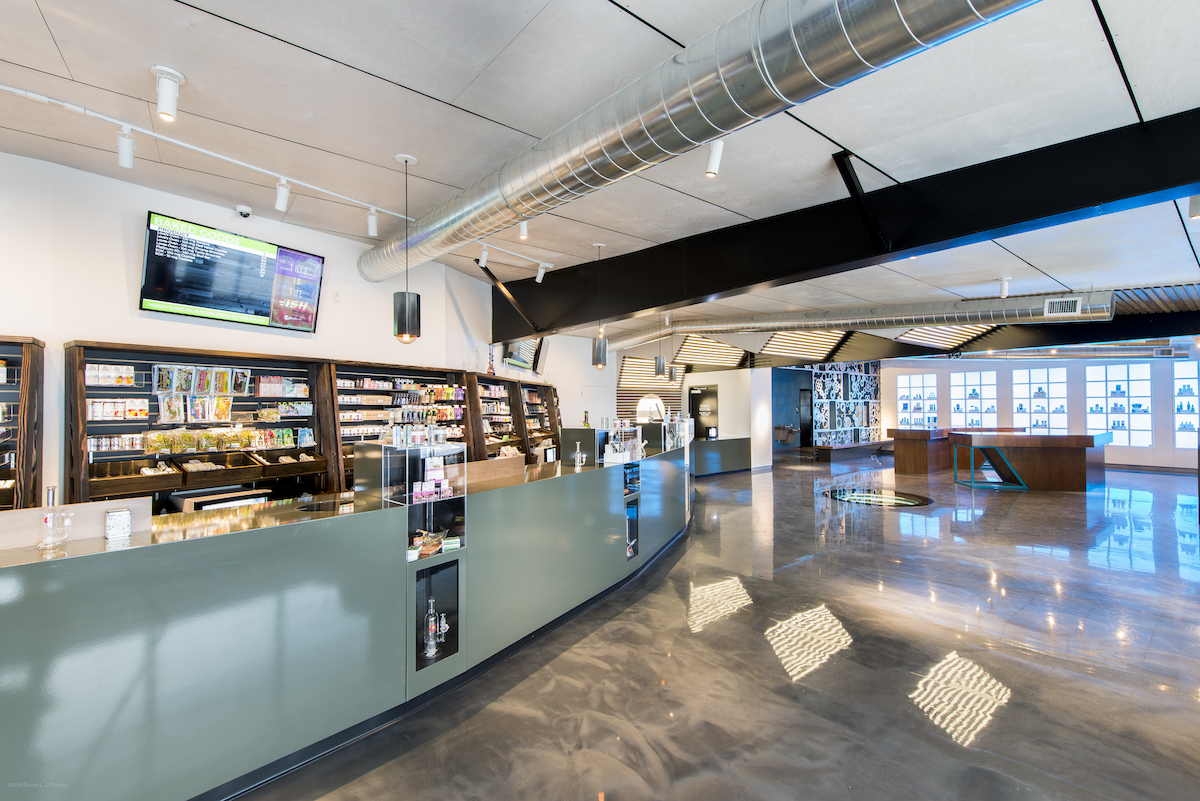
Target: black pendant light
(406, 306)
(599, 343)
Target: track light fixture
(125, 148)
(523, 230)
(169, 81)
(282, 192)
(541, 272)
(483, 257)
(1194, 207)
(715, 148)
(372, 223)
(1004, 287)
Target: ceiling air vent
(1063, 307)
(1164, 353)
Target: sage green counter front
(165, 671)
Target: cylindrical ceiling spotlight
(372, 223)
(660, 365)
(282, 192)
(1194, 207)
(483, 257)
(1004, 287)
(125, 148)
(406, 311)
(169, 81)
(714, 157)
(599, 353)
(541, 276)
(523, 230)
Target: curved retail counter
(195, 665)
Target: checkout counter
(214, 650)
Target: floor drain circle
(878, 497)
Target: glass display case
(917, 401)
(973, 400)
(1040, 400)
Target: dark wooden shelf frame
(27, 471)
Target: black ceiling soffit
(1113, 171)
(1122, 328)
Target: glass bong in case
(580, 456)
(435, 631)
(56, 526)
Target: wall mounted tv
(198, 271)
(523, 353)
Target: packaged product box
(222, 378)
(240, 382)
(163, 377)
(185, 380)
(204, 380)
(91, 375)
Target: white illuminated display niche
(973, 400)
(917, 401)
(1187, 418)
(1040, 400)
(1118, 400)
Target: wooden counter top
(942, 433)
(980, 439)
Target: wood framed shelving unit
(498, 406)
(113, 406)
(415, 393)
(539, 404)
(21, 422)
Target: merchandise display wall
(50, 214)
(1169, 446)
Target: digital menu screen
(205, 272)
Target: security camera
(244, 211)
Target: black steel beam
(498, 286)
(1121, 328)
(1125, 168)
(850, 179)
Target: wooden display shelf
(114, 479)
(271, 468)
(238, 467)
(26, 424)
(80, 475)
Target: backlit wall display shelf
(1187, 418)
(1118, 400)
(1040, 400)
(21, 363)
(973, 400)
(917, 401)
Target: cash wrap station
(212, 650)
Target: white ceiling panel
(56, 122)
(25, 39)
(507, 270)
(1039, 76)
(572, 240)
(688, 22)
(1136, 248)
(249, 80)
(435, 48)
(879, 285)
(188, 183)
(526, 86)
(772, 166)
(370, 183)
(755, 303)
(807, 295)
(1159, 44)
(649, 211)
(974, 271)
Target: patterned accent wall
(846, 403)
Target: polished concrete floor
(992, 645)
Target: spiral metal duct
(772, 56)
(1093, 306)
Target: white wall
(733, 400)
(73, 251)
(761, 428)
(1162, 406)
